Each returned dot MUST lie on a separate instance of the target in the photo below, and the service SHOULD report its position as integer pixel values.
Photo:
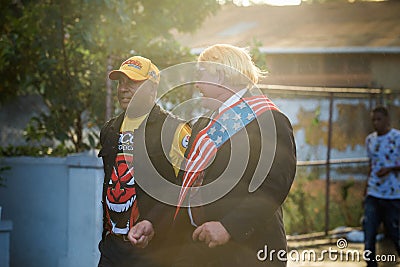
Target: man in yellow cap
(134, 223)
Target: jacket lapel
(114, 134)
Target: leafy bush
(304, 209)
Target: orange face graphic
(121, 195)
(121, 187)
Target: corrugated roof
(360, 26)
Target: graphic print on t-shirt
(383, 151)
(122, 210)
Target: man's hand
(212, 233)
(141, 234)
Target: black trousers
(197, 254)
(116, 252)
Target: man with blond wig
(244, 150)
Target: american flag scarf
(228, 122)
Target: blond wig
(236, 63)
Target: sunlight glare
(284, 2)
(269, 2)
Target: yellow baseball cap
(137, 68)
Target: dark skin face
(380, 122)
(144, 99)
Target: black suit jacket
(254, 220)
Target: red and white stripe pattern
(228, 122)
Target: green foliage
(317, 118)
(297, 205)
(259, 58)
(304, 208)
(59, 50)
